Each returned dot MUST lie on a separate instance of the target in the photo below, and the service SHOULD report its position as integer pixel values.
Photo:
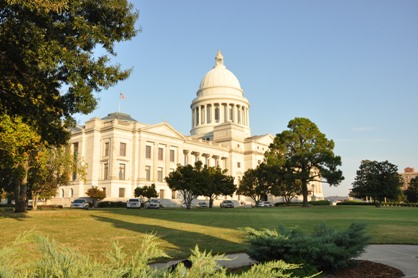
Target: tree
(50, 168)
(50, 65)
(216, 183)
(17, 142)
(412, 191)
(378, 180)
(146, 191)
(287, 187)
(96, 194)
(188, 181)
(54, 55)
(255, 183)
(306, 154)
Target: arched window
(71, 192)
(62, 193)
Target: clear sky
(351, 67)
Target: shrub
(320, 203)
(109, 204)
(325, 249)
(58, 261)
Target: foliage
(96, 194)
(412, 192)
(50, 168)
(59, 261)
(255, 183)
(17, 142)
(55, 54)
(320, 203)
(216, 183)
(378, 180)
(109, 204)
(146, 191)
(325, 249)
(188, 181)
(305, 154)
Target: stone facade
(122, 153)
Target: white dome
(219, 77)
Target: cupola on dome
(219, 76)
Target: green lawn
(93, 231)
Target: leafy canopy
(55, 54)
(306, 154)
(378, 180)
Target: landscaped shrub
(320, 203)
(58, 261)
(108, 204)
(326, 249)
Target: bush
(108, 204)
(320, 203)
(325, 249)
(58, 261)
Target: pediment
(265, 139)
(163, 129)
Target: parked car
(134, 203)
(80, 203)
(202, 204)
(265, 204)
(227, 204)
(153, 204)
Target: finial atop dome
(219, 58)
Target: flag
(122, 96)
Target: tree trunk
(305, 193)
(21, 189)
(210, 202)
(35, 198)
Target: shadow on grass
(9, 213)
(183, 241)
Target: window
(148, 173)
(148, 152)
(62, 193)
(104, 190)
(71, 192)
(160, 174)
(121, 192)
(160, 153)
(105, 171)
(122, 169)
(217, 114)
(186, 159)
(106, 149)
(161, 193)
(239, 164)
(122, 149)
(172, 155)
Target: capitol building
(122, 153)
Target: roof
(119, 116)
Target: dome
(219, 76)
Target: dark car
(227, 204)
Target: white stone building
(122, 153)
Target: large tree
(146, 191)
(256, 183)
(187, 180)
(54, 56)
(216, 183)
(378, 180)
(306, 154)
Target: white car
(134, 203)
(153, 204)
(81, 204)
(265, 204)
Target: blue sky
(351, 67)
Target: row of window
(122, 149)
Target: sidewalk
(402, 257)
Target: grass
(93, 231)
